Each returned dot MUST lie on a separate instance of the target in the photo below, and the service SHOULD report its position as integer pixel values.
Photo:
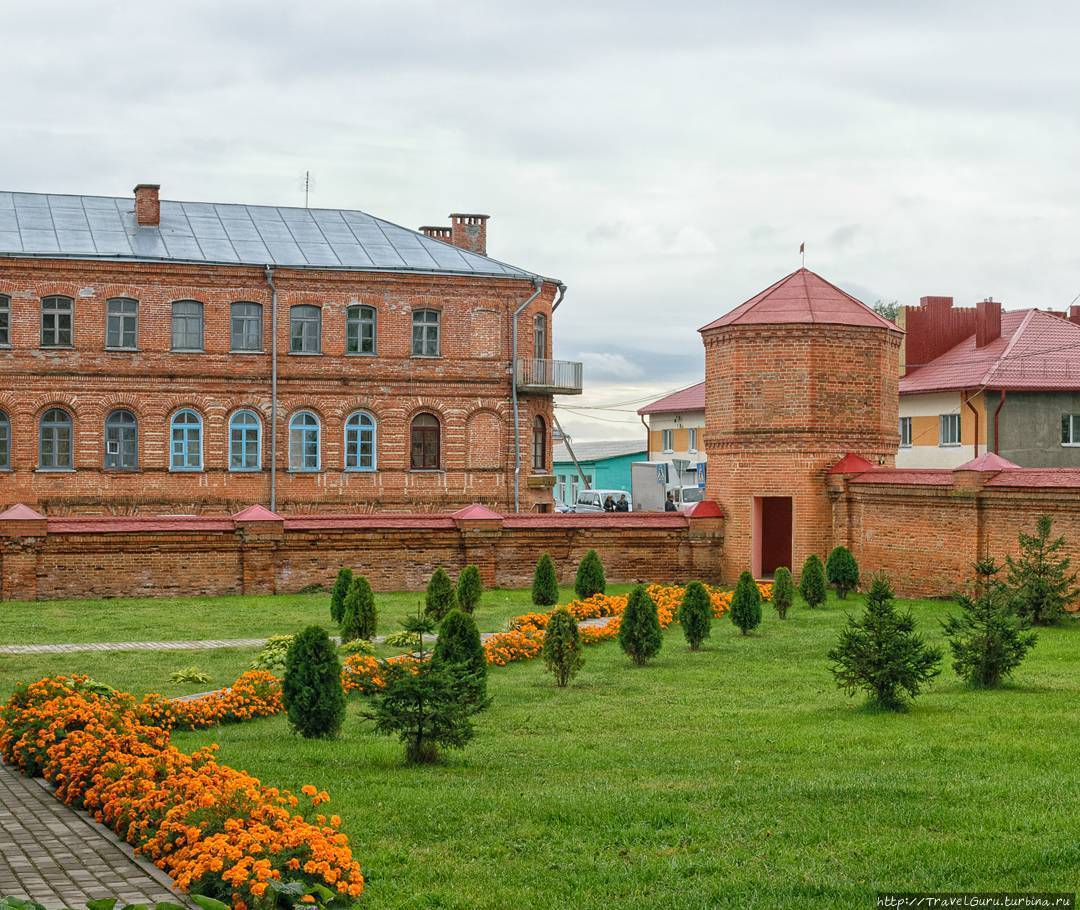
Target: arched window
(121, 441)
(539, 443)
(425, 443)
(360, 442)
(55, 452)
(425, 333)
(540, 336)
(245, 441)
(304, 442)
(187, 325)
(5, 442)
(360, 330)
(57, 322)
(305, 330)
(185, 441)
(245, 328)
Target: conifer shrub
(562, 647)
(640, 635)
(441, 597)
(469, 589)
(812, 582)
(359, 617)
(459, 649)
(882, 654)
(545, 585)
(988, 639)
(590, 576)
(842, 571)
(311, 690)
(783, 591)
(338, 593)
(695, 614)
(1040, 576)
(746, 604)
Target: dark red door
(775, 533)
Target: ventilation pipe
(273, 387)
(537, 287)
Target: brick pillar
(481, 530)
(705, 533)
(261, 533)
(22, 538)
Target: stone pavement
(62, 858)
(204, 645)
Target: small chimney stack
(147, 205)
(987, 322)
(469, 232)
(1074, 313)
(437, 233)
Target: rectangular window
(573, 488)
(187, 325)
(5, 321)
(905, 432)
(246, 327)
(425, 333)
(562, 488)
(56, 322)
(667, 440)
(305, 330)
(1070, 429)
(360, 330)
(122, 323)
(693, 439)
(950, 430)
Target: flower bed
(215, 830)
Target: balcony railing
(549, 377)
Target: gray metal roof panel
(91, 227)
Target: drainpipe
(997, 440)
(273, 387)
(537, 287)
(648, 438)
(558, 300)
(967, 401)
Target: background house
(676, 426)
(605, 464)
(977, 379)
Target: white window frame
(245, 429)
(299, 435)
(691, 439)
(945, 439)
(905, 432)
(1074, 430)
(667, 440)
(355, 426)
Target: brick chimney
(437, 233)
(469, 232)
(987, 322)
(1074, 313)
(147, 205)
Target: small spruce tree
(746, 604)
(469, 589)
(590, 576)
(337, 595)
(842, 571)
(458, 648)
(881, 653)
(812, 581)
(1040, 576)
(545, 586)
(360, 618)
(562, 646)
(311, 689)
(640, 635)
(988, 640)
(441, 597)
(695, 614)
(783, 591)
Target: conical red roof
(256, 513)
(802, 297)
(988, 461)
(475, 512)
(20, 512)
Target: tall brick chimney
(987, 322)
(469, 232)
(1074, 313)
(147, 204)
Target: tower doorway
(772, 534)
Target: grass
(735, 777)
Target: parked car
(593, 500)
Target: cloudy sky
(665, 160)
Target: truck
(651, 481)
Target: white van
(593, 500)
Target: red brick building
(169, 357)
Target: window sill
(426, 471)
(246, 351)
(5, 347)
(122, 470)
(361, 470)
(187, 350)
(115, 350)
(1070, 445)
(54, 470)
(949, 445)
(426, 356)
(245, 470)
(57, 347)
(305, 353)
(303, 471)
(905, 446)
(185, 470)
(361, 354)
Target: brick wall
(105, 557)
(467, 388)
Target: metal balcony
(549, 377)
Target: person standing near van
(669, 505)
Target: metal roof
(598, 451)
(104, 228)
(691, 398)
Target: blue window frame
(5, 442)
(360, 442)
(185, 441)
(304, 432)
(245, 441)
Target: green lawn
(735, 777)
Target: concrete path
(63, 858)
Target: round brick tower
(795, 378)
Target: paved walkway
(63, 858)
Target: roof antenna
(802, 253)
(307, 187)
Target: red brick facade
(467, 388)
